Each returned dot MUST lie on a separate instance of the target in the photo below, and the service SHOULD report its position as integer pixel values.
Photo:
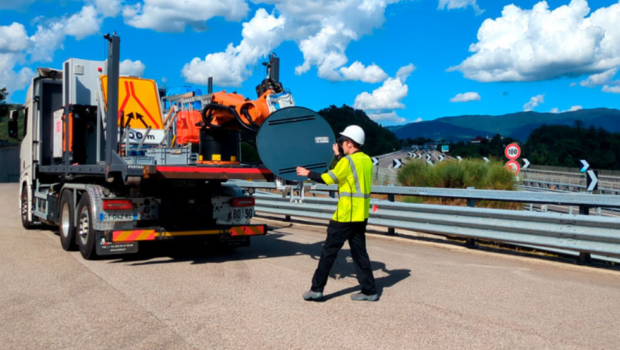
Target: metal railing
(554, 185)
(582, 200)
(577, 233)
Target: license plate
(118, 216)
(242, 214)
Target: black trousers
(337, 234)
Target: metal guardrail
(568, 187)
(584, 201)
(579, 233)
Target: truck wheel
(85, 233)
(66, 222)
(25, 209)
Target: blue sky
(400, 61)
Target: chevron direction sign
(585, 166)
(397, 163)
(375, 161)
(526, 163)
(592, 180)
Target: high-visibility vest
(353, 174)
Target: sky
(400, 61)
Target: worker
(353, 175)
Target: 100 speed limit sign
(512, 151)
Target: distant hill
(515, 125)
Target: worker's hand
(301, 171)
(336, 149)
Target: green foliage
(468, 173)
(560, 145)
(5, 140)
(379, 140)
(487, 148)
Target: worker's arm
(338, 174)
(314, 176)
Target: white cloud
(322, 29)
(16, 48)
(466, 97)
(84, 23)
(611, 89)
(604, 78)
(534, 102)
(231, 67)
(418, 120)
(459, 4)
(9, 78)
(572, 109)
(542, 44)
(13, 38)
(108, 8)
(15, 4)
(381, 103)
(357, 71)
(47, 39)
(135, 68)
(390, 117)
(175, 16)
(387, 96)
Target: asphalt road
(433, 296)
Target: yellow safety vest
(353, 174)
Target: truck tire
(66, 221)
(85, 234)
(25, 209)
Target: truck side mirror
(12, 124)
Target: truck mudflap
(152, 234)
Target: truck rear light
(243, 202)
(117, 204)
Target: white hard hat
(355, 133)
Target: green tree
(379, 140)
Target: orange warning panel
(247, 230)
(133, 235)
(138, 99)
(125, 236)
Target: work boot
(362, 296)
(310, 295)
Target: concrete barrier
(9, 164)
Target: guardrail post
(391, 230)
(584, 258)
(470, 242)
(287, 218)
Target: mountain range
(515, 125)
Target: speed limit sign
(513, 166)
(512, 151)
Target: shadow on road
(274, 245)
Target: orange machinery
(216, 127)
